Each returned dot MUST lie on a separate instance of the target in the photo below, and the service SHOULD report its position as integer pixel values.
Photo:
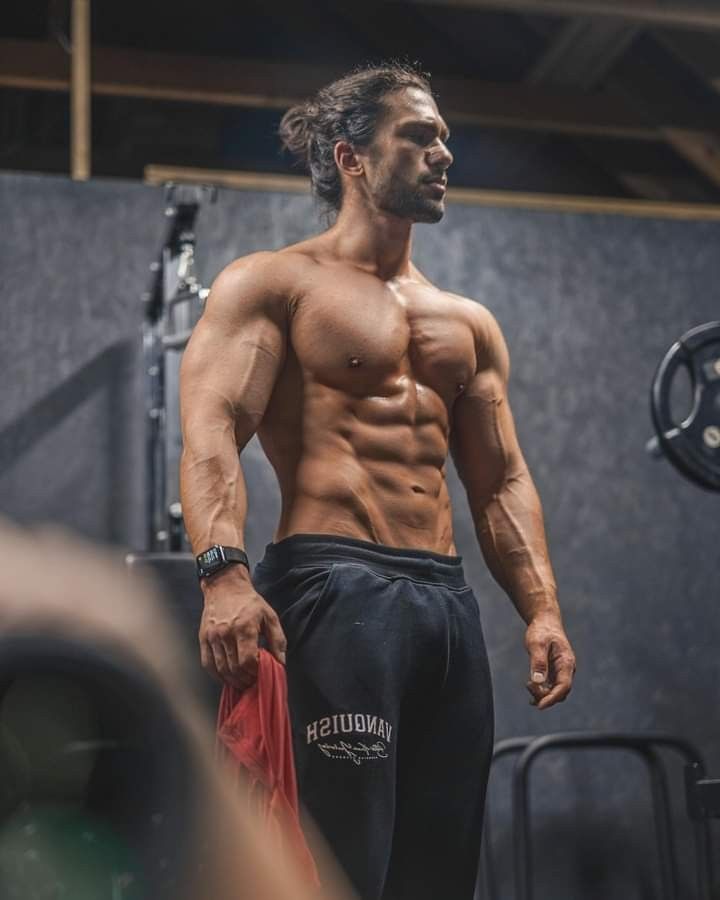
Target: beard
(408, 201)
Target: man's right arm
(228, 372)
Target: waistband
(319, 549)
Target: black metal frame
(173, 304)
(703, 798)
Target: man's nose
(440, 155)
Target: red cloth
(254, 727)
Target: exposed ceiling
(604, 98)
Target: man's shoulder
(490, 343)
(262, 281)
(271, 268)
(478, 314)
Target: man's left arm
(507, 513)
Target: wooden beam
(43, 65)
(275, 85)
(80, 132)
(582, 54)
(260, 181)
(700, 148)
(242, 181)
(649, 187)
(641, 12)
(654, 91)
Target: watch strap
(223, 557)
(236, 555)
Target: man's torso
(358, 425)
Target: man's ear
(347, 160)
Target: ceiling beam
(641, 12)
(651, 90)
(276, 85)
(582, 54)
(701, 148)
(131, 73)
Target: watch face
(210, 558)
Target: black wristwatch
(217, 558)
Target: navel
(354, 362)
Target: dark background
(588, 304)
(619, 105)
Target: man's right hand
(233, 617)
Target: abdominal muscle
(371, 468)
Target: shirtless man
(359, 376)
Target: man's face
(407, 161)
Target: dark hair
(345, 110)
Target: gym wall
(588, 304)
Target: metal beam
(641, 12)
(275, 85)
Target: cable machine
(173, 304)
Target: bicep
(236, 351)
(483, 439)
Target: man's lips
(438, 185)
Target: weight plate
(686, 444)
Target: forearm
(212, 486)
(511, 535)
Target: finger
(538, 651)
(556, 695)
(230, 650)
(538, 690)
(277, 643)
(561, 688)
(219, 658)
(208, 660)
(234, 674)
(248, 653)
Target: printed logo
(356, 751)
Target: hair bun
(296, 130)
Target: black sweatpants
(391, 708)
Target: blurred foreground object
(109, 786)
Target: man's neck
(373, 240)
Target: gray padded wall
(73, 263)
(588, 305)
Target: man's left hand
(552, 661)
